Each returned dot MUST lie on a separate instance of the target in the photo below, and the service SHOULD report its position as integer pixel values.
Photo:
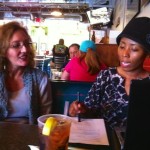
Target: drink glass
(58, 138)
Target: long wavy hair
(6, 32)
(92, 60)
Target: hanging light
(56, 13)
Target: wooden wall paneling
(108, 54)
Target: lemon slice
(49, 125)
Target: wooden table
(18, 136)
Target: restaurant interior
(74, 21)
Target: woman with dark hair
(109, 95)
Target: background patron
(73, 52)
(86, 66)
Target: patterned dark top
(108, 99)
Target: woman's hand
(77, 108)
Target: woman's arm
(45, 96)
(65, 75)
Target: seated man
(73, 52)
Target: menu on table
(89, 131)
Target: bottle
(93, 37)
(105, 39)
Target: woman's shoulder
(109, 76)
(109, 70)
(34, 74)
(35, 71)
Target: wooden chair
(59, 61)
